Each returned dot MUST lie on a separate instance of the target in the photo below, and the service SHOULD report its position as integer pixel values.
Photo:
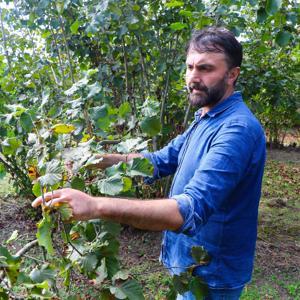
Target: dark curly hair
(217, 39)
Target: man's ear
(233, 75)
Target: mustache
(197, 86)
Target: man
(218, 164)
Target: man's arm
(111, 159)
(153, 215)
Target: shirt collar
(233, 98)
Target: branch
(26, 248)
(109, 142)
(61, 22)
(4, 41)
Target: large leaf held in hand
(131, 145)
(140, 167)
(114, 185)
(52, 175)
(151, 126)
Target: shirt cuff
(191, 219)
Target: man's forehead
(196, 57)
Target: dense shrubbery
(83, 77)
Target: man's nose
(195, 75)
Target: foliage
(80, 77)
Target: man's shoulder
(244, 118)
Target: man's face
(206, 78)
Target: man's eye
(190, 67)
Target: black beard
(209, 96)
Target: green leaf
(2, 171)
(283, 38)
(119, 294)
(16, 109)
(127, 184)
(98, 112)
(65, 211)
(151, 126)
(94, 89)
(132, 289)
(273, 6)
(40, 275)
(10, 146)
(3, 294)
(115, 9)
(60, 6)
(12, 264)
(44, 233)
(120, 275)
(78, 183)
(36, 189)
(52, 174)
(74, 27)
(26, 122)
(198, 288)
(186, 13)
(101, 272)
(131, 145)
(124, 109)
(261, 15)
(200, 255)
(13, 237)
(88, 263)
(140, 167)
(119, 168)
(178, 26)
(175, 3)
(114, 185)
(181, 283)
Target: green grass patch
(6, 187)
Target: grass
(5, 187)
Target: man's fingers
(57, 201)
(48, 196)
(36, 202)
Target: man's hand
(84, 207)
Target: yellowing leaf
(32, 173)
(85, 138)
(74, 236)
(63, 128)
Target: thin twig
(69, 241)
(27, 247)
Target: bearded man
(218, 166)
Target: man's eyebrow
(205, 65)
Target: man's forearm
(109, 160)
(153, 215)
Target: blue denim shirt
(218, 164)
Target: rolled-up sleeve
(216, 177)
